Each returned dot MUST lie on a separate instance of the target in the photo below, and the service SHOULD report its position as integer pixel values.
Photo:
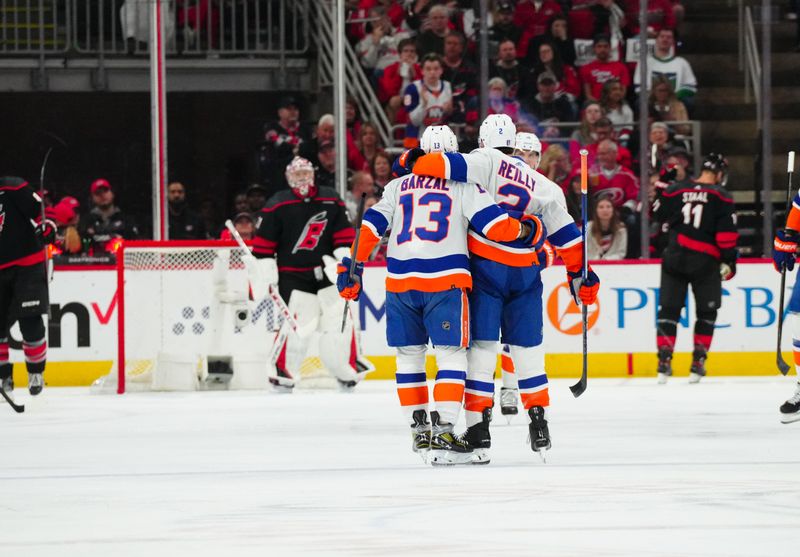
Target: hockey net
(188, 302)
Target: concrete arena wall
(83, 330)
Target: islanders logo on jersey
(312, 232)
(564, 315)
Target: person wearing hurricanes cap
(280, 143)
(105, 221)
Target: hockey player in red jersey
(23, 279)
(701, 252)
(304, 231)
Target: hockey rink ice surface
(635, 469)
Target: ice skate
(508, 402)
(539, 431)
(346, 386)
(7, 385)
(698, 369)
(790, 410)
(447, 448)
(479, 438)
(282, 383)
(421, 434)
(664, 365)
(35, 383)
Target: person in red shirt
(660, 15)
(533, 16)
(396, 77)
(601, 69)
(608, 178)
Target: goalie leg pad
(412, 384)
(448, 393)
(305, 308)
(531, 375)
(479, 394)
(344, 364)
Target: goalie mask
(300, 176)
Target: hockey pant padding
(412, 384)
(479, 392)
(507, 369)
(339, 350)
(34, 342)
(305, 308)
(531, 375)
(448, 392)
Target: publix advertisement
(83, 324)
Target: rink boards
(83, 329)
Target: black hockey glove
(46, 231)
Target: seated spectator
(105, 221)
(360, 183)
(549, 107)
(573, 197)
(325, 171)
(608, 178)
(352, 119)
(326, 133)
(66, 215)
(240, 204)
(499, 103)
(183, 222)
(659, 136)
(558, 35)
(509, 69)
(257, 196)
(617, 110)
(461, 74)
(678, 165)
(503, 28)
(675, 68)
(665, 107)
(381, 170)
(532, 16)
(548, 60)
(606, 236)
(660, 15)
(585, 134)
(281, 139)
(428, 101)
(603, 129)
(555, 164)
(434, 30)
(245, 225)
(396, 77)
(379, 48)
(369, 142)
(588, 18)
(601, 69)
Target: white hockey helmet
(526, 141)
(498, 130)
(438, 139)
(300, 176)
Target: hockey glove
(784, 250)
(46, 231)
(583, 291)
(409, 158)
(536, 233)
(349, 288)
(727, 270)
(546, 255)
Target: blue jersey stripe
(483, 217)
(451, 374)
(458, 167)
(410, 377)
(484, 386)
(377, 220)
(564, 235)
(795, 343)
(433, 265)
(533, 382)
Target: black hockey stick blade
(359, 218)
(18, 408)
(782, 365)
(579, 387)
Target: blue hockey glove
(584, 291)
(537, 234)
(784, 250)
(349, 289)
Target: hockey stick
(359, 218)
(783, 367)
(579, 387)
(18, 408)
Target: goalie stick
(579, 387)
(18, 408)
(783, 367)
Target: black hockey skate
(479, 438)
(664, 365)
(790, 410)
(447, 448)
(508, 402)
(421, 434)
(35, 383)
(539, 431)
(698, 369)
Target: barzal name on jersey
(516, 188)
(429, 219)
(300, 231)
(20, 206)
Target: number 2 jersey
(429, 219)
(515, 187)
(700, 218)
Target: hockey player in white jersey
(426, 289)
(507, 292)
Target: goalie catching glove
(349, 288)
(583, 291)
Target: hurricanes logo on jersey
(312, 231)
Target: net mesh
(177, 301)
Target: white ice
(635, 469)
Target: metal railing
(203, 27)
(751, 61)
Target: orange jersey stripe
(572, 257)
(497, 253)
(793, 220)
(432, 164)
(505, 230)
(366, 243)
(413, 396)
(476, 403)
(529, 400)
(464, 319)
(506, 363)
(797, 357)
(437, 284)
(448, 392)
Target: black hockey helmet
(716, 163)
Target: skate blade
(423, 454)
(694, 378)
(790, 418)
(448, 458)
(480, 456)
(542, 456)
(662, 378)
